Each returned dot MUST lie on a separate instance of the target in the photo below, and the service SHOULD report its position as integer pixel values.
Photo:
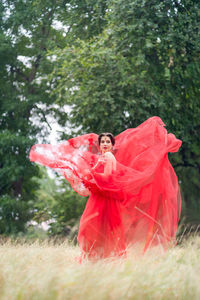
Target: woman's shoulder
(109, 155)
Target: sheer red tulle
(138, 204)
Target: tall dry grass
(45, 271)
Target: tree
(28, 30)
(26, 33)
(144, 63)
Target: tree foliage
(144, 63)
(28, 30)
(26, 33)
(115, 63)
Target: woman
(134, 192)
(101, 231)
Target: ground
(48, 271)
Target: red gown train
(138, 204)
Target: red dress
(137, 204)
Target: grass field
(45, 271)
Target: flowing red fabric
(137, 204)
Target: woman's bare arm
(110, 164)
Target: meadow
(48, 271)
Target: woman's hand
(87, 176)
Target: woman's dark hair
(110, 135)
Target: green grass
(45, 271)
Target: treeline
(115, 63)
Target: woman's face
(105, 144)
